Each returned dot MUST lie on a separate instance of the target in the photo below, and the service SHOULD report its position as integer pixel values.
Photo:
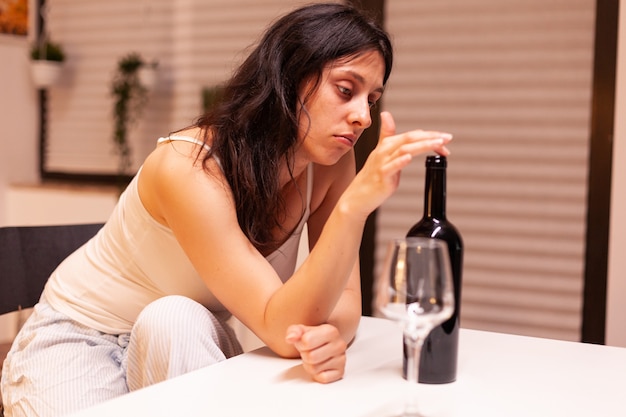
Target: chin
(332, 158)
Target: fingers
(418, 142)
(413, 142)
(387, 126)
(322, 350)
(294, 333)
(380, 175)
(396, 152)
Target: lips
(349, 138)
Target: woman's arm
(199, 209)
(323, 348)
(334, 180)
(325, 273)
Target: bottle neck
(435, 193)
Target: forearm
(312, 295)
(347, 314)
(344, 319)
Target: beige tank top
(134, 260)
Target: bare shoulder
(173, 175)
(197, 206)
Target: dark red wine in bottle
(438, 360)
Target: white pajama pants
(58, 366)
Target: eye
(344, 90)
(373, 101)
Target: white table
(499, 375)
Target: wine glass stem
(414, 345)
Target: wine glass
(415, 289)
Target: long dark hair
(254, 125)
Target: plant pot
(147, 77)
(46, 73)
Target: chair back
(29, 254)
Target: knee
(167, 314)
(177, 320)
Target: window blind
(512, 81)
(196, 43)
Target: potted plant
(147, 73)
(129, 89)
(46, 63)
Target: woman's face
(336, 113)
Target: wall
(196, 44)
(18, 117)
(616, 308)
(29, 205)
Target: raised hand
(380, 175)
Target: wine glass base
(410, 409)
(397, 408)
(407, 413)
(413, 414)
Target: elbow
(284, 350)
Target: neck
(297, 169)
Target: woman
(210, 225)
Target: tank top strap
(183, 139)
(173, 138)
(309, 185)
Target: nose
(360, 113)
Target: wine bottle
(438, 359)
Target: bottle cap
(436, 161)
